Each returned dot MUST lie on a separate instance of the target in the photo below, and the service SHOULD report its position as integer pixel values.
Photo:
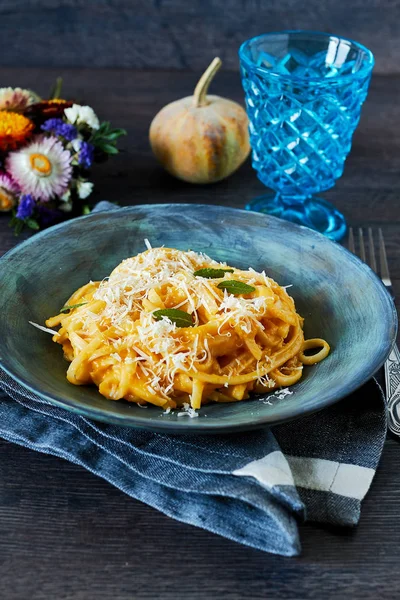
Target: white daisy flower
(84, 188)
(78, 114)
(8, 193)
(42, 168)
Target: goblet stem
(309, 211)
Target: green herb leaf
(105, 138)
(69, 307)
(179, 317)
(18, 226)
(33, 224)
(109, 149)
(236, 287)
(115, 134)
(212, 273)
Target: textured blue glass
(304, 93)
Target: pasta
(169, 327)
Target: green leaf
(105, 126)
(179, 317)
(86, 210)
(114, 135)
(236, 287)
(69, 307)
(109, 149)
(18, 226)
(119, 131)
(212, 273)
(33, 224)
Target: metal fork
(392, 364)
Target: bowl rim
(197, 426)
(363, 72)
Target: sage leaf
(69, 307)
(179, 317)
(236, 287)
(209, 273)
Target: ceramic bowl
(341, 299)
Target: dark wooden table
(66, 534)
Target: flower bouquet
(47, 148)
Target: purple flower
(25, 206)
(48, 216)
(58, 127)
(86, 152)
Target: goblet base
(312, 212)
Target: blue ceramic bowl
(341, 299)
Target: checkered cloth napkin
(251, 487)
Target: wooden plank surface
(179, 34)
(67, 535)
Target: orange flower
(7, 202)
(58, 101)
(15, 129)
(47, 109)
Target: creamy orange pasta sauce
(170, 327)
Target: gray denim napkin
(251, 487)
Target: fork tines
(384, 267)
(358, 247)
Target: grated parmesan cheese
(188, 411)
(281, 394)
(45, 329)
(156, 348)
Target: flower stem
(56, 91)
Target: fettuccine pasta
(169, 327)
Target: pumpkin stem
(200, 93)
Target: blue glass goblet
(304, 92)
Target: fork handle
(389, 289)
(392, 380)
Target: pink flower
(42, 168)
(8, 192)
(16, 99)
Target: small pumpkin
(201, 139)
